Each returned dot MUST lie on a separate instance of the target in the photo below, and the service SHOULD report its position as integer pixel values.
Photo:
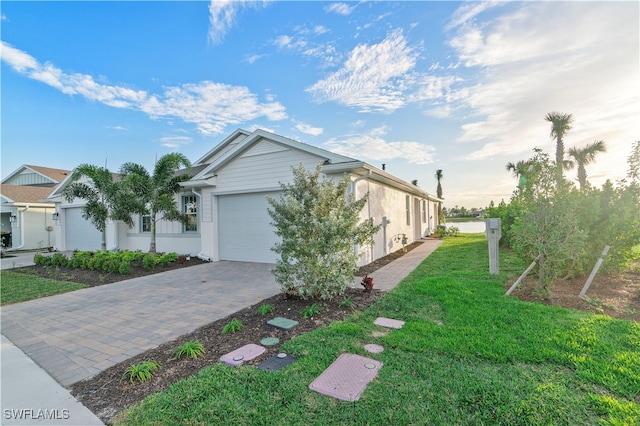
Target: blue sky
(420, 86)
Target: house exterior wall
(387, 206)
(31, 229)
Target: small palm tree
(560, 126)
(585, 156)
(154, 195)
(102, 195)
(520, 170)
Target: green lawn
(16, 287)
(467, 355)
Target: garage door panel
(80, 234)
(245, 230)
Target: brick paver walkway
(75, 335)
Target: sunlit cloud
(223, 16)
(117, 128)
(175, 142)
(380, 78)
(531, 61)
(374, 146)
(309, 129)
(339, 8)
(210, 106)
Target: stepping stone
(373, 348)
(240, 355)
(388, 322)
(276, 362)
(269, 341)
(282, 323)
(347, 377)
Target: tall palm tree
(439, 177)
(102, 195)
(560, 126)
(154, 195)
(585, 156)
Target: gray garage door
(245, 233)
(80, 234)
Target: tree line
(564, 225)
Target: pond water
(468, 227)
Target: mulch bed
(108, 392)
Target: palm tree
(154, 195)
(560, 126)
(102, 195)
(520, 170)
(439, 177)
(585, 156)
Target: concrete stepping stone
(373, 348)
(277, 362)
(269, 341)
(347, 377)
(388, 322)
(282, 323)
(240, 355)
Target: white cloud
(210, 106)
(381, 78)
(175, 142)
(533, 60)
(117, 127)
(339, 8)
(309, 129)
(374, 146)
(222, 16)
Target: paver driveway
(76, 335)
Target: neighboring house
(226, 199)
(27, 220)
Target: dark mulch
(107, 393)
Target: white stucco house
(226, 197)
(26, 216)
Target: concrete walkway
(75, 335)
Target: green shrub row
(119, 261)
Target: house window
(424, 211)
(190, 209)
(408, 209)
(145, 223)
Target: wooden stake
(594, 271)
(524, 274)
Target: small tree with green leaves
(319, 224)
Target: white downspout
(200, 255)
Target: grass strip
(17, 287)
(467, 355)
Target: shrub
(141, 371)
(190, 349)
(318, 223)
(124, 268)
(41, 260)
(148, 261)
(111, 264)
(59, 259)
(97, 260)
(265, 309)
(167, 258)
(367, 283)
(233, 326)
(310, 311)
(80, 259)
